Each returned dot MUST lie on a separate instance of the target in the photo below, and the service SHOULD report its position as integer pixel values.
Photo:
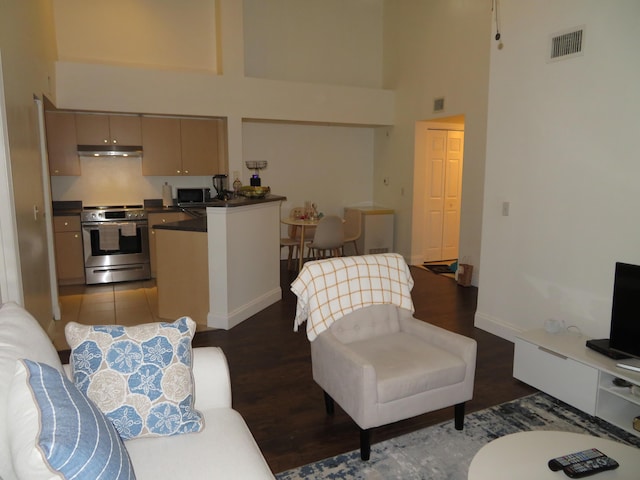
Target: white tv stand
(561, 365)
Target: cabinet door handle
(551, 352)
(75, 236)
(186, 172)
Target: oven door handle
(116, 269)
(95, 225)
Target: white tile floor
(128, 303)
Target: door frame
(420, 187)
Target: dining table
(301, 223)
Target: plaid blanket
(329, 289)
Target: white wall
(327, 41)
(432, 49)
(328, 165)
(146, 33)
(562, 150)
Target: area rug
(442, 452)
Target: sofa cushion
(139, 376)
(226, 451)
(57, 432)
(21, 336)
(424, 367)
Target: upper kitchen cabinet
(202, 146)
(62, 146)
(161, 146)
(183, 146)
(97, 129)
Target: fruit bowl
(254, 192)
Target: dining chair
(329, 237)
(292, 240)
(352, 227)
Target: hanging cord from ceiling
(494, 9)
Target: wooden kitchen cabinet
(62, 145)
(161, 146)
(97, 129)
(202, 146)
(183, 275)
(183, 146)
(157, 219)
(68, 250)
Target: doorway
(438, 164)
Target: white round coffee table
(524, 456)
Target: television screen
(625, 313)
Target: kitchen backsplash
(116, 180)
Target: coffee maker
(220, 183)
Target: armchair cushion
(405, 365)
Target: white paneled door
(444, 153)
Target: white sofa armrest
(210, 376)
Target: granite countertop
(68, 208)
(191, 225)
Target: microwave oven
(193, 195)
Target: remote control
(559, 463)
(590, 467)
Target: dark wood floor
(273, 389)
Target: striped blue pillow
(73, 437)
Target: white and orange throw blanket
(329, 289)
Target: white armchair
(377, 361)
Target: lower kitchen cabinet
(183, 275)
(68, 250)
(157, 219)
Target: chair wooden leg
(459, 416)
(289, 257)
(329, 404)
(365, 443)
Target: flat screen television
(625, 313)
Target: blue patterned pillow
(140, 377)
(54, 428)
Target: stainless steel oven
(116, 244)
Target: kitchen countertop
(190, 225)
(200, 224)
(70, 208)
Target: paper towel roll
(167, 197)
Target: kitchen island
(221, 268)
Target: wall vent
(566, 44)
(438, 105)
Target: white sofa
(224, 449)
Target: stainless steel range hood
(110, 150)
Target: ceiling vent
(566, 44)
(438, 105)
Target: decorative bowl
(254, 192)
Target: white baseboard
(496, 326)
(229, 320)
